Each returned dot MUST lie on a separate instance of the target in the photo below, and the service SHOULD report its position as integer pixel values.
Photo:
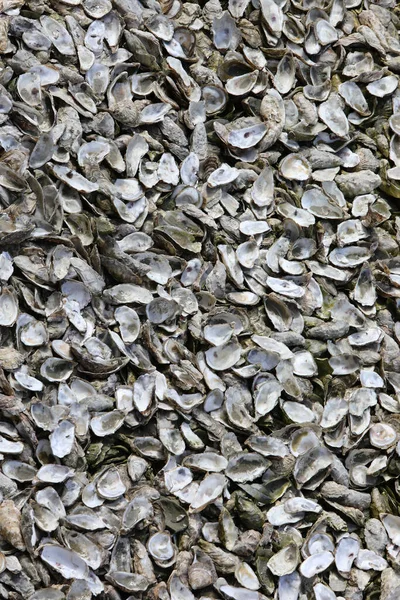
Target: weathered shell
(129, 323)
(58, 35)
(208, 491)
(353, 96)
(225, 33)
(127, 293)
(346, 552)
(199, 294)
(66, 562)
(295, 167)
(245, 467)
(56, 369)
(107, 423)
(384, 86)
(161, 549)
(285, 561)
(323, 592)
(8, 308)
(110, 485)
(382, 435)
(368, 559)
(332, 114)
(223, 356)
(316, 563)
(62, 439)
(10, 524)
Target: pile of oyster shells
(200, 300)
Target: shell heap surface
(199, 300)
